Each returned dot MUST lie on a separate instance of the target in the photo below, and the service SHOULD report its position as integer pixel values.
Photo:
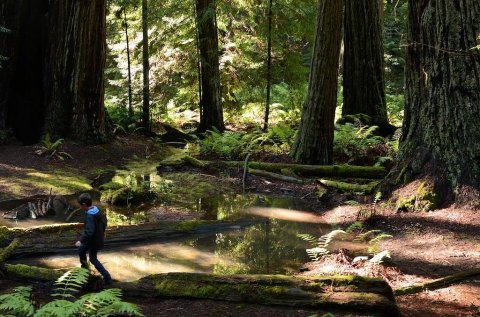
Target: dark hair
(85, 199)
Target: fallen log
(9, 250)
(341, 293)
(350, 187)
(276, 176)
(61, 238)
(347, 171)
(436, 284)
(344, 293)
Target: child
(93, 236)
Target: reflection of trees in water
(265, 248)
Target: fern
(71, 283)
(59, 308)
(18, 303)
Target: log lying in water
(349, 171)
(276, 176)
(342, 293)
(61, 238)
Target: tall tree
(269, 65)
(74, 70)
(441, 138)
(314, 143)
(129, 64)
(210, 103)
(146, 69)
(54, 81)
(363, 67)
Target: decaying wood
(9, 250)
(438, 283)
(61, 238)
(350, 187)
(348, 171)
(276, 176)
(344, 293)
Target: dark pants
(92, 255)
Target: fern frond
(120, 308)
(366, 236)
(71, 282)
(308, 237)
(94, 301)
(17, 303)
(58, 308)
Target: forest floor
(425, 246)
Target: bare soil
(425, 246)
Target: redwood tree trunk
(210, 103)
(54, 80)
(146, 69)
(314, 144)
(363, 67)
(441, 136)
(74, 72)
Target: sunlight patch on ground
(285, 214)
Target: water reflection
(270, 247)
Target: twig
(245, 172)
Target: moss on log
(350, 171)
(61, 238)
(350, 187)
(276, 176)
(31, 273)
(8, 251)
(344, 293)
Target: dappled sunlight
(137, 261)
(284, 214)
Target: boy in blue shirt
(93, 237)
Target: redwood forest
(310, 158)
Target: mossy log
(343, 293)
(276, 176)
(31, 273)
(438, 283)
(350, 171)
(9, 250)
(350, 187)
(61, 238)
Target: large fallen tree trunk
(344, 293)
(347, 171)
(331, 293)
(350, 187)
(61, 238)
(276, 176)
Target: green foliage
(354, 233)
(105, 303)
(358, 144)
(51, 148)
(18, 303)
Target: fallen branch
(9, 250)
(436, 284)
(350, 187)
(350, 171)
(276, 176)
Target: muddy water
(270, 247)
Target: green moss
(125, 195)
(406, 203)
(190, 225)
(111, 186)
(32, 273)
(426, 197)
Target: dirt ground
(425, 246)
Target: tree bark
(54, 80)
(210, 102)
(269, 66)
(74, 71)
(129, 64)
(146, 69)
(363, 67)
(441, 138)
(314, 144)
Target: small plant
(51, 148)
(105, 303)
(329, 242)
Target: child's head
(85, 200)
